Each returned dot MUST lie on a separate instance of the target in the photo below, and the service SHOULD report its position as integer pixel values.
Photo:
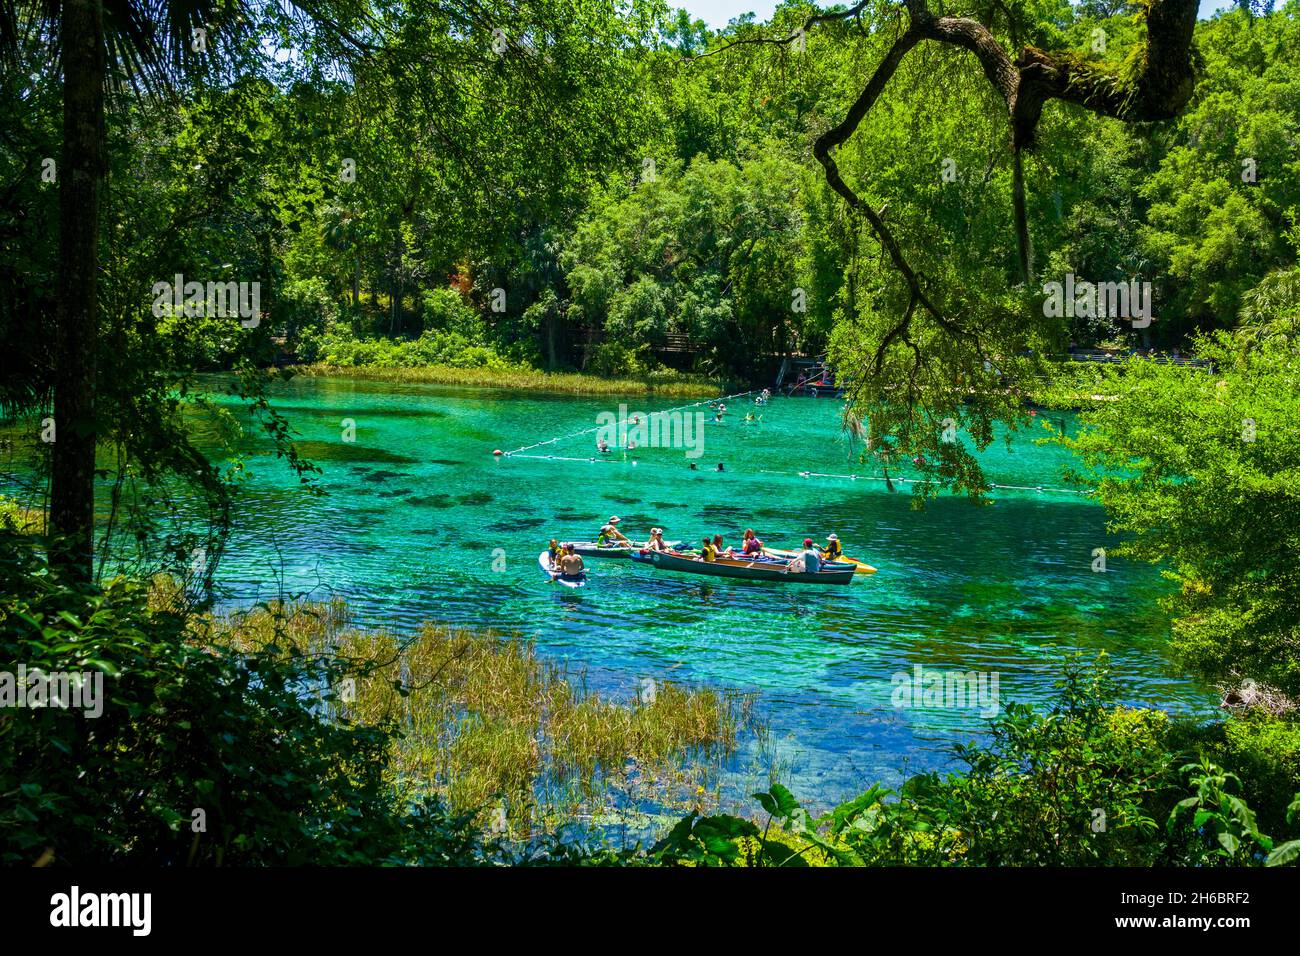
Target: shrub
(200, 755)
(1086, 783)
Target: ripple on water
(1005, 589)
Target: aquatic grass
(492, 729)
(16, 516)
(667, 383)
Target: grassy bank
(667, 384)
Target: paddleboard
(544, 560)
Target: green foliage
(704, 841)
(185, 728)
(1087, 783)
(1263, 750)
(709, 249)
(451, 348)
(1223, 193)
(1199, 466)
(1222, 826)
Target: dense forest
(584, 182)
(617, 190)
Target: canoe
(544, 559)
(589, 549)
(862, 566)
(748, 569)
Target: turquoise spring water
(417, 506)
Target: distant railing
(1106, 356)
(678, 342)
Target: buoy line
(994, 486)
(914, 481)
(617, 459)
(587, 431)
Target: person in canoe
(656, 542)
(751, 544)
(809, 559)
(719, 550)
(707, 551)
(610, 535)
(571, 566)
(834, 551)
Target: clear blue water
(417, 505)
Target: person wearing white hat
(833, 550)
(656, 542)
(610, 534)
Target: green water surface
(417, 507)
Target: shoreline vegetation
(665, 383)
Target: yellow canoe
(861, 567)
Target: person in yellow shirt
(707, 551)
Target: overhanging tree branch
(1159, 89)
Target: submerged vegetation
(281, 736)
(493, 731)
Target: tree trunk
(1024, 244)
(72, 497)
